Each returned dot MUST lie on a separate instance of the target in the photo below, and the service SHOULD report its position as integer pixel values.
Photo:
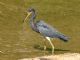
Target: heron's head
(30, 11)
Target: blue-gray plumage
(47, 30)
(44, 29)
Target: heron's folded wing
(46, 29)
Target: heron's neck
(32, 18)
(32, 22)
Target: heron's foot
(44, 49)
(52, 51)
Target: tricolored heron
(44, 29)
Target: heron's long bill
(29, 13)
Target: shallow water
(17, 40)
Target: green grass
(17, 43)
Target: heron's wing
(46, 29)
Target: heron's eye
(29, 10)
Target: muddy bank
(65, 56)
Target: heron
(44, 29)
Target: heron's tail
(63, 37)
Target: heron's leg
(44, 46)
(51, 44)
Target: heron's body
(44, 29)
(48, 31)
